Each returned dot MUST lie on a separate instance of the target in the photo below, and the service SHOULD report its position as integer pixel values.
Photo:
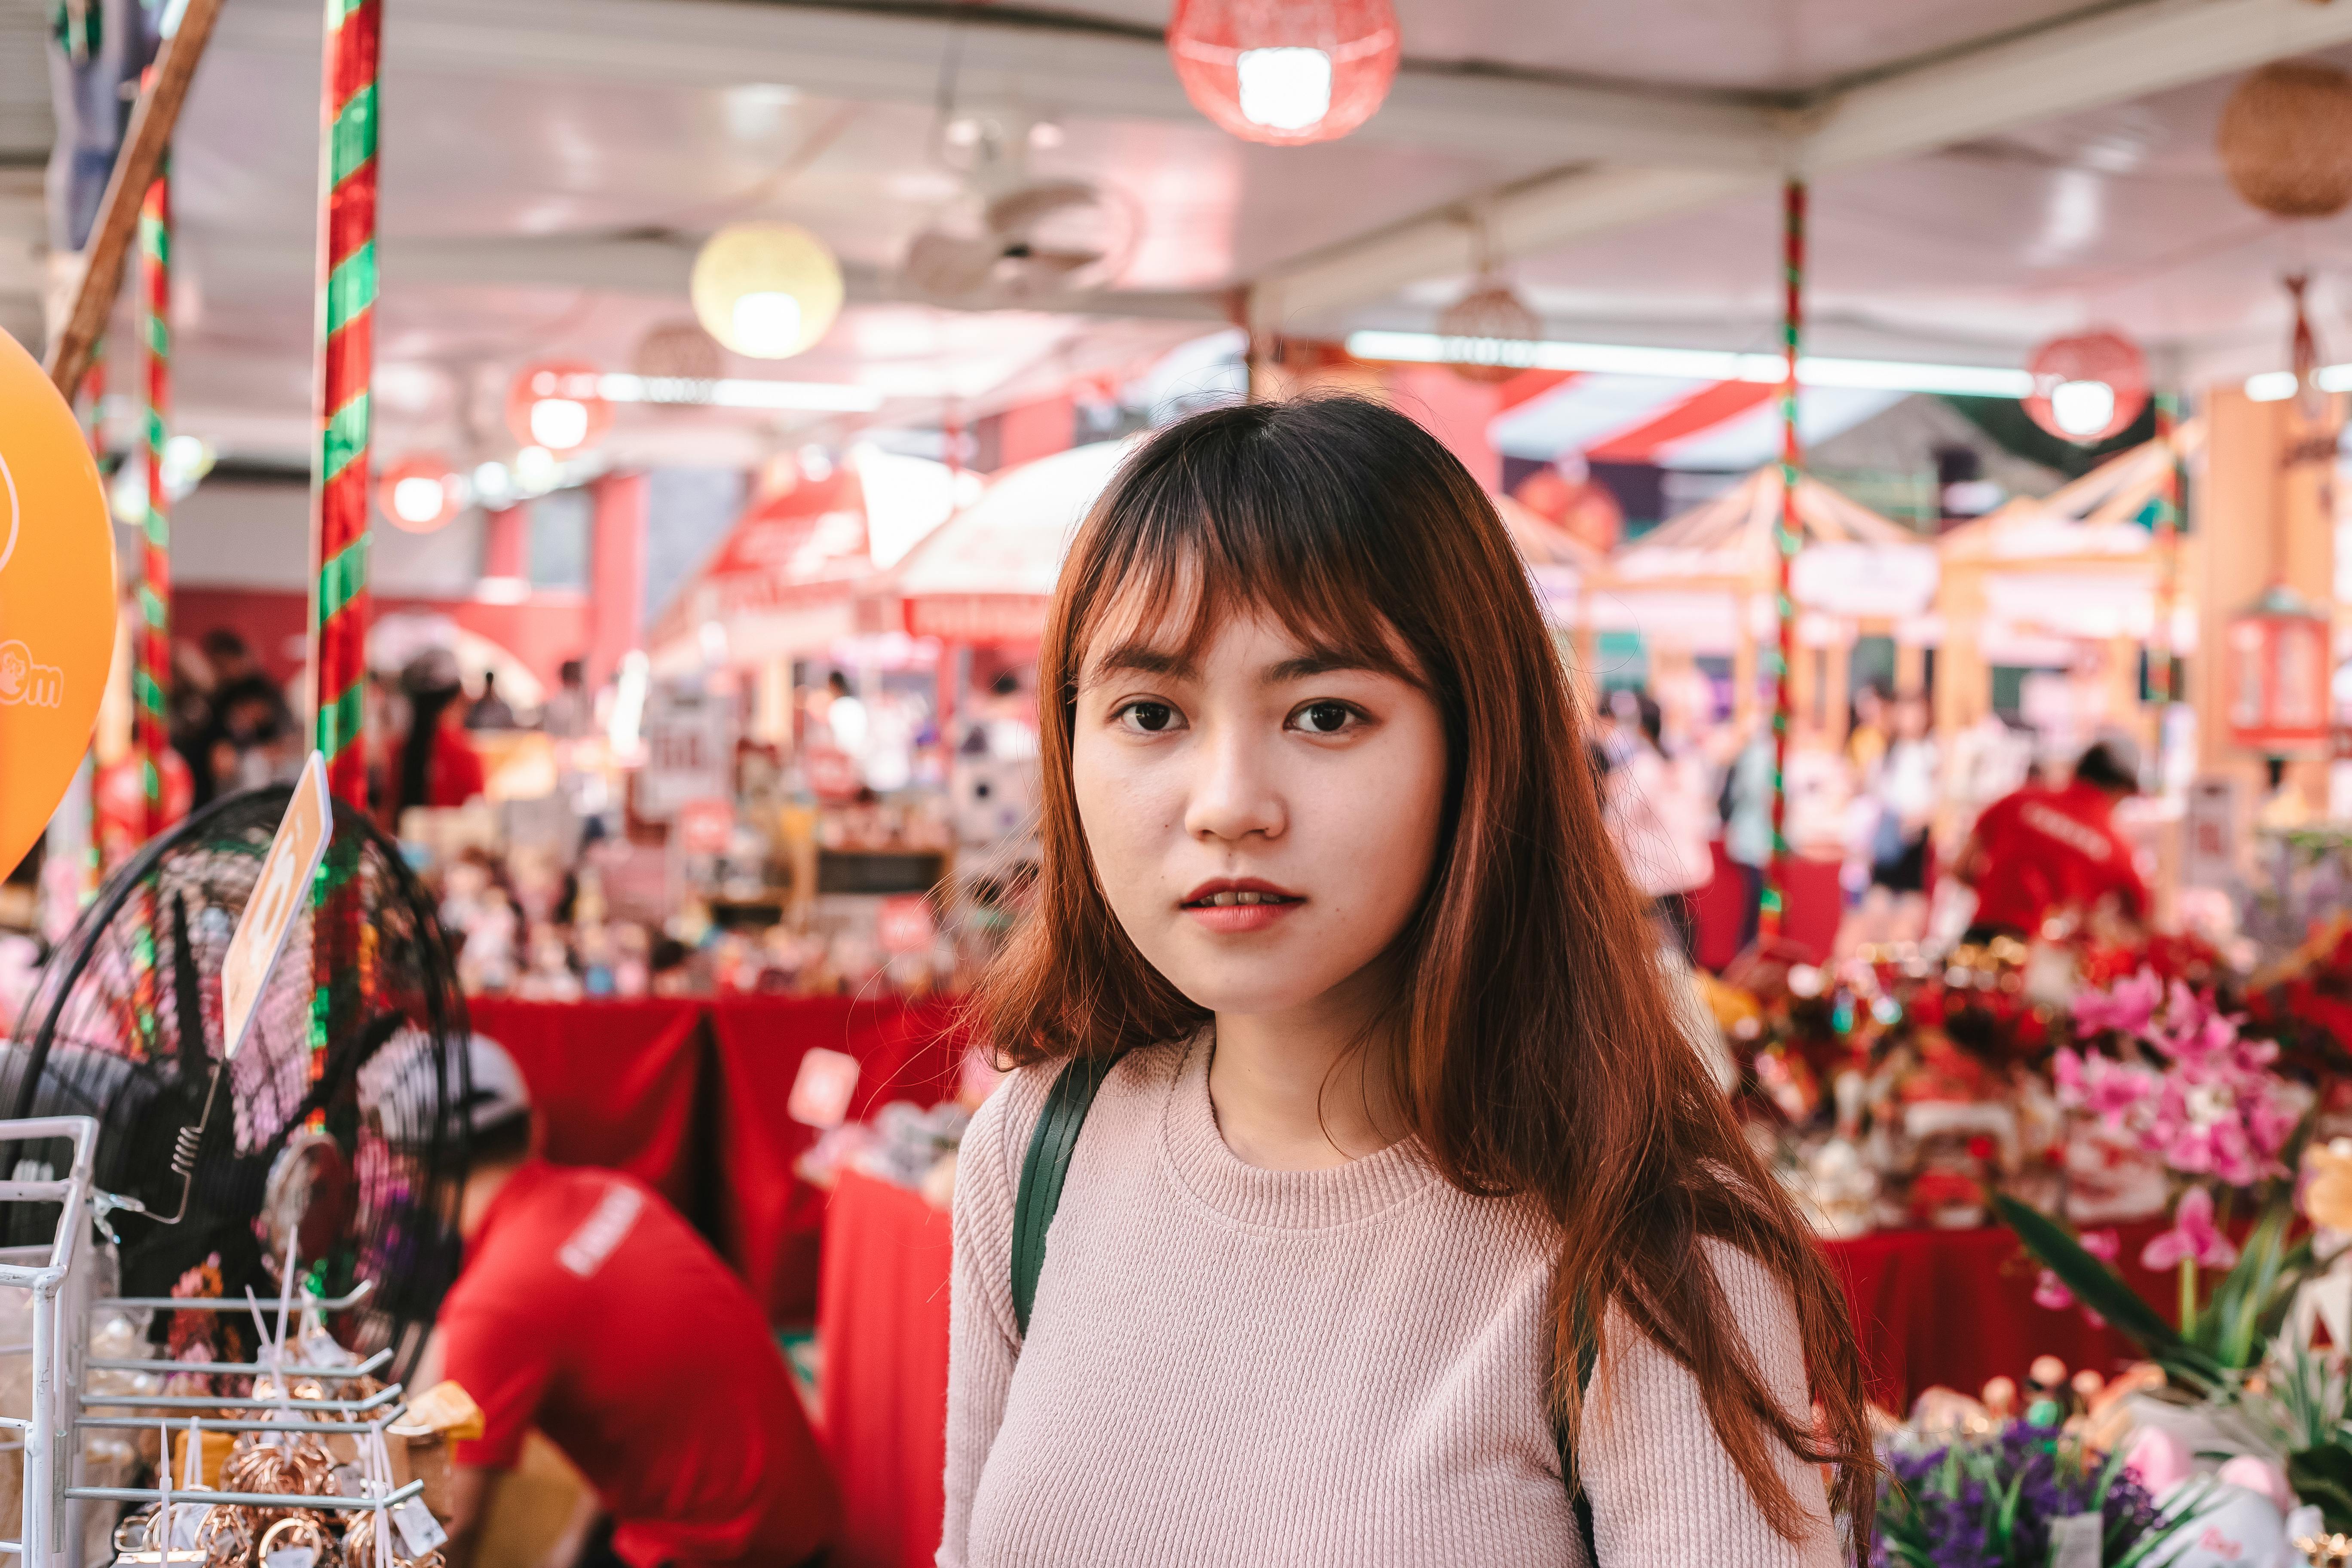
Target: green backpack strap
(1047, 1164)
(1043, 1170)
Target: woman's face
(1263, 823)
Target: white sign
(278, 896)
(689, 739)
(2209, 834)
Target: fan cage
(368, 1062)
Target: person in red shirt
(587, 1307)
(2037, 852)
(432, 764)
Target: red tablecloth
(771, 1220)
(882, 1322)
(614, 1081)
(1955, 1308)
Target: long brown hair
(1535, 1051)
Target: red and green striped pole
(1787, 534)
(338, 609)
(152, 678)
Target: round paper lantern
(419, 493)
(555, 404)
(2285, 139)
(1285, 71)
(1490, 334)
(677, 350)
(2088, 388)
(768, 290)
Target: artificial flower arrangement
(2161, 1067)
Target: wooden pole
(152, 120)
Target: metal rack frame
(57, 1279)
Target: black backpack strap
(1588, 1352)
(1043, 1170)
(1047, 1164)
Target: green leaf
(2248, 1288)
(2098, 1287)
(2323, 1475)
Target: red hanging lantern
(419, 493)
(2087, 389)
(557, 404)
(2278, 671)
(1285, 72)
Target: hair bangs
(1176, 551)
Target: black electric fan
(326, 1130)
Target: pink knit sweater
(1283, 1369)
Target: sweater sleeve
(983, 1341)
(1664, 1488)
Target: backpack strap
(1047, 1164)
(1043, 1170)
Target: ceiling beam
(654, 265)
(1063, 67)
(2119, 53)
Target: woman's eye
(1324, 718)
(1151, 717)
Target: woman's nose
(1233, 794)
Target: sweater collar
(1278, 1200)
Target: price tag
(2075, 1541)
(185, 1520)
(290, 1557)
(417, 1527)
(349, 1481)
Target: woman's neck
(1306, 1089)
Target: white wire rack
(57, 1279)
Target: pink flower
(2051, 1292)
(2128, 1008)
(2101, 1086)
(2191, 1239)
(2048, 1291)
(2106, 1245)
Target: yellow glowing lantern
(768, 290)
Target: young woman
(1395, 1088)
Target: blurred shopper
(570, 710)
(588, 1308)
(248, 732)
(2040, 852)
(1327, 924)
(490, 711)
(1657, 815)
(432, 764)
(1905, 784)
(1747, 802)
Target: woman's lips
(1235, 907)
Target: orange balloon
(57, 598)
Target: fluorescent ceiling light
(809, 396)
(1699, 364)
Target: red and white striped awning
(1712, 425)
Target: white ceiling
(549, 166)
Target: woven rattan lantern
(2088, 388)
(677, 350)
(1490, 334)
(1285, 71)
(2286, 139)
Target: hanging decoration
(1490, 334)
(2088, 388)
(420, 493)
(152, 683)
(555, 404)
(339, 613)
(2285, 139)
(1285, 72)
(767, 291)
(677, 350)
(1787, 537)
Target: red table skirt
(882, 1324)
(689, 1095)
(1954, 1308)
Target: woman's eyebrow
(1143, 658)
(1305, 667)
